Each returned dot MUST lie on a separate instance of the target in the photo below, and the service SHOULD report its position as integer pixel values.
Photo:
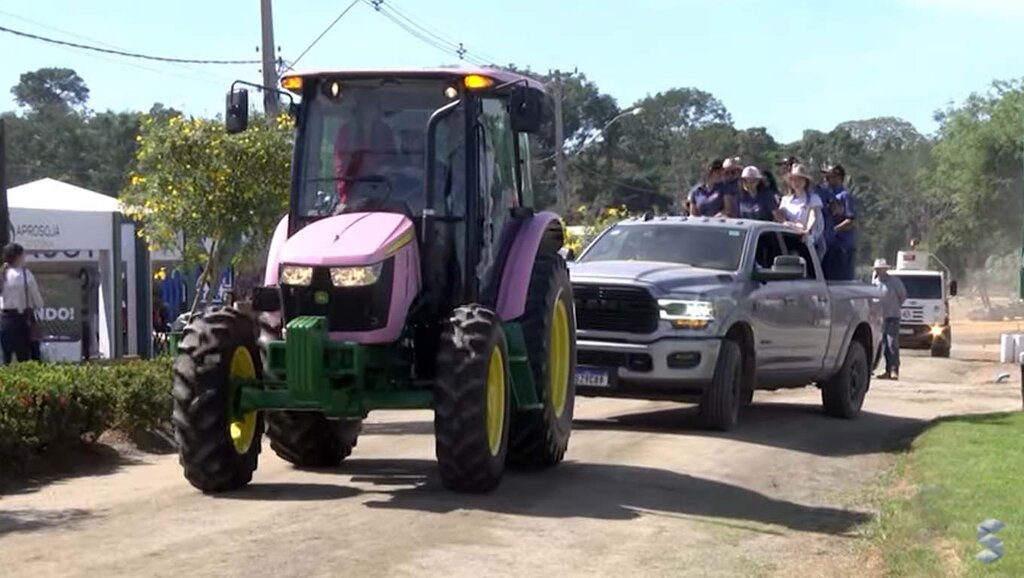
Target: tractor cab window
(498, 193)
(365, 146)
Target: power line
(322, 34)
(424, 34)
(121, 52)
(439, 35)
(109, 45)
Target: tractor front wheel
(540, 437)
(218, 448)
(309, 440)
(472, 397)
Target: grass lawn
(960, 472)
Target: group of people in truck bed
(822, 209)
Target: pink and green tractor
(410, 272)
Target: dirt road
(643, 493)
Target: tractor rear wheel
(308, 439)
(218, 449)
(472, 397)
(540, 437)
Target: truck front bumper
(921, 336)
(670, 368)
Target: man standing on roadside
(893, 296)
(843, 248)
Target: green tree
(51, 89)
(225, 192)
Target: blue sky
(783, 64)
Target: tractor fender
(271, 275)
(541, 230)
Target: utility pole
(562, 186)
(270, 103)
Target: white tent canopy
(48, 215)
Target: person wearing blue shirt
(843, 248)
(709, 199)
(756, 202)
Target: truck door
(774, 333)
(809, 311)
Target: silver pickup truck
(708, 310)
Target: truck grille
(611, 308)
(912, 315)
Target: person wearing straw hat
(802, 209)
(755, 201)
(893, 295)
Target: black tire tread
(835, 392)
(200, 403)
(720, 401)
(308, 439)
(539, 438)
(460, 401)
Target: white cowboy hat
(881, 264)
(751, 173)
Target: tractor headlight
(355, 276)
(296, 275)
(687, 313)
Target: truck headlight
(355, 276)
(936, 330)
(296, 275)
(687, 313)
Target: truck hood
(667, 277)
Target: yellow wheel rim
(495, 400)
(242, 430)
(558, 357)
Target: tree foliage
(224, 192)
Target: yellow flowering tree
(593, 223)
(223, 194)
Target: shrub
(44, 406)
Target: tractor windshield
(364, 146)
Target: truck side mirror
(952, 288)
(236, 117)
(525, 110)
(568, 254)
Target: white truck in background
(924, 319)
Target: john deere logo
(321, 297)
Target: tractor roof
(500, 76)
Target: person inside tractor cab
(363, 145)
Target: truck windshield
(922, 287)
(367, 145)
(705, 247)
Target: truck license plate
(906, 331)
(591, 377)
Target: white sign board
(42, 230)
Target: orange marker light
(475, 81)
(292, 83)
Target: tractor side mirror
(952, 288)
(525, 110)
(236, 117)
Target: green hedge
(44, 406)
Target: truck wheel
(720, 402)
(539, 438)
(843, 394)
(218, 449)
(472, 400)
(309, 440)
(942, 348)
